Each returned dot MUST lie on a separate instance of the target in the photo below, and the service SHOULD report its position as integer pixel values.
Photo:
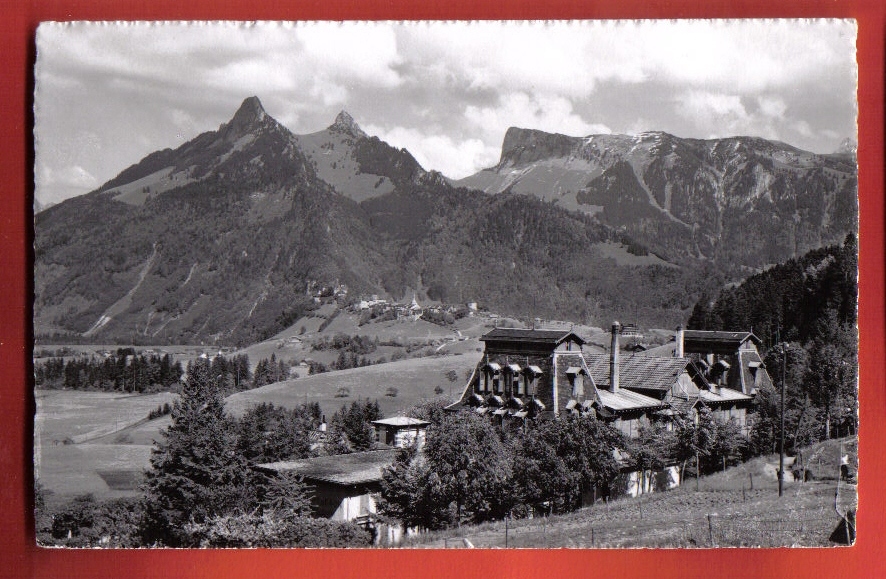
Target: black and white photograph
(446, 284)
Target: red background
(20, 558)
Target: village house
(401, 431)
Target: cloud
(454, 158)
(547, 113)
(446, 89)
(772, 106)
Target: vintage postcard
(492, 284)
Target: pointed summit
(847, 147)
(345, 123)
(248, 116)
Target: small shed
(400, 431)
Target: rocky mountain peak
(345, 123)
(848, 146)
(248, 117)
(527, 145)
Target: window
(516, 385)
(578, 388)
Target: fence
(806, 529)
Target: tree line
(122, 371)
(126, 371)
(470, 470)
(805, 311)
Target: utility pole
(784, 356)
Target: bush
(392, 392)
(438, 390)
(343, 392)
(276, 529)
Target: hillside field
(736, 508)
(414, 379)
(100, 442)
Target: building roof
(718, 337)
(626, 400)
(550, 337)
(683, 405)
(753, 372)
(342, 469)
(722, 395)
(401, 421)
(638, 371)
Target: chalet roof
(548, 337)
(626, 400)
(722, 395)
(638, 371)
(683, 405)
(719, 337)
(753, 372)
(401, 421)
(342, 469)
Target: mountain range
(226, 238)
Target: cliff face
(741, 200)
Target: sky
(108, 94)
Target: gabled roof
(638, 371)
(342, 469)
(683, 405)
(548, 337)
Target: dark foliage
(123, 371)
(84, 522)
(276, 529)
(268, 433)
(196, 472)
(351, 429)
(463, 475)
(269, 370)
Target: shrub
(343, 392)
(392, 392)
(276, 529)
(438, 390)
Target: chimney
(613, 358)
(678, 349)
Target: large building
(526, 374)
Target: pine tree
(196, 472)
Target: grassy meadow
(722, 510)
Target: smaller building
(343, 485)
(400, 431)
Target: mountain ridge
(233, 233)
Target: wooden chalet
(343, 486)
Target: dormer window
(576, 377)
(514, 378)
(530, 379)
(491, 378)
